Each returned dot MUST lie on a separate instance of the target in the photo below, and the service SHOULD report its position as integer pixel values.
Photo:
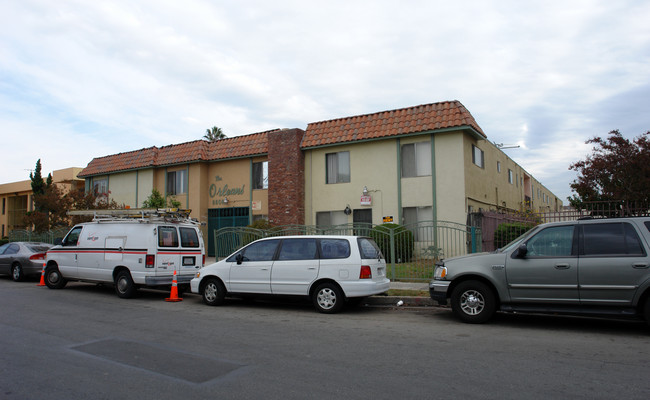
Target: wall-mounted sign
(257, 205)
(366, 200)
(388, 218)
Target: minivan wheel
(473, 302)
(213, 292)
(328, 298)
(124, 286)
(54, 279)
(17, 273)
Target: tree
(214, 134)
(156, 200)
(618, 171)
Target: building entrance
(221, 218)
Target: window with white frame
(338, 167)
(100, 187)
(416, 159)
(177, 182)
(498, 166)
(261, 175)
(510, 176)
(477, 156)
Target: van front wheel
(124, 286)
(54, 279)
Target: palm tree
(214, 134)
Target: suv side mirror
(522, 250)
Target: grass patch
(407, 293)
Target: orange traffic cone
(174, 294)
(42, 282)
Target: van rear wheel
(124, 286)
(328, 298)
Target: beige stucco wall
(123, 188)
(450, 175)
(372, 164)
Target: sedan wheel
(17, 273)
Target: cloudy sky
(83, 79)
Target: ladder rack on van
(141, 214)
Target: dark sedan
(22, 259)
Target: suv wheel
(473, 302)
(328, 298)
(646, 310)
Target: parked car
(129, 249)
(589, 266)
(327, 269)
(22, 259)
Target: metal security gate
(219, 218)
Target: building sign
(366, 200)
(388, 218)
(219, 192)
(257, 205)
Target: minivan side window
(189, 237)
(611, 239)
(261, 251)
(298, 249)
(73, 237)
(334, 248)
(555, 241)
(167, 236)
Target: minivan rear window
(369, 248)
(189, 237)
(334, 248)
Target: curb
(408, 301)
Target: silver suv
(589, 266)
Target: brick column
(286, 177)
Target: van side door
(252, 274)
(296, 267)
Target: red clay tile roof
(198, 150)
(423, 118)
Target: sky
(84, 79)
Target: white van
(128, 248)
(328, 269)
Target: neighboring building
(17, 197)
(428, 162)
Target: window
(261, 175)
(100, 186)
(338, 167)
(177, 182)
(189, 237)
(614, 239)
(167, 236)
(477, 156)
(413, 219)
(369, 248)
(334, 248)
(73, 237)
(551, 242)
(510, 178)
(416, 159)
(498, 166)
(260, 251)
(298, 249)
(329, 218)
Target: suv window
(167, 236)
(613, 239)
(298, 249)
(555, 241)
(189, 237)
(334, 248)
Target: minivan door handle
(640, 265)
(562, 266)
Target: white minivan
(328, 269)
(128, 248)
